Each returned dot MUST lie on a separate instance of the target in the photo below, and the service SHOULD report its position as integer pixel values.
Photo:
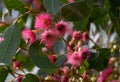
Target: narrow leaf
(9, 46)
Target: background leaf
(9, 46)
(75, 11)
(30, 78)
(14, 4)
(114, 14)
(41, 60)
(102, 61)
(3, 74)
(52, 6)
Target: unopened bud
(52, 58)
(115, 47)
(20, 78)
(44, 49)
(85, 37)
(112, 60)
(48, 77)
(17, 65)
(93, 79)
(64, 79)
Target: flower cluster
(48, 32)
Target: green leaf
(3, 26)
(25, 60)
(52, 6)
(41, 60)
(75, 11)
(60, 47)
(14, 4)
(3, 74)
(116, 23)
(9, 46)
(82, 24)
(30, 78)
(82, 70)
(97, 16)
(102, 61)
(61, 60)
(114, 14)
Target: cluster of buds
(17, 65)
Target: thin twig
(94, 42)
(67, 43)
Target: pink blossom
(64, 79)
(20, 78)
(85, 52)
(62, 27)
(66, 70)
(103, 76)
(48, 37)
(52, 58)
(77, 35)
(85, 37)
(16, 64)
(28, 35)
(43, 21)
(75, 59)
(1, 39)
(71, 1)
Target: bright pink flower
(43, 21)
(85, 37)
(71, 1)
(64, 79)
(48, 37)
(28, 35)
(86, 53)
(20, 78)
(62, 27)
(1, 39)
(52, 58)
(16, 64)
(103, 76)
(75, 59)
(66, 70)
(77, 35)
